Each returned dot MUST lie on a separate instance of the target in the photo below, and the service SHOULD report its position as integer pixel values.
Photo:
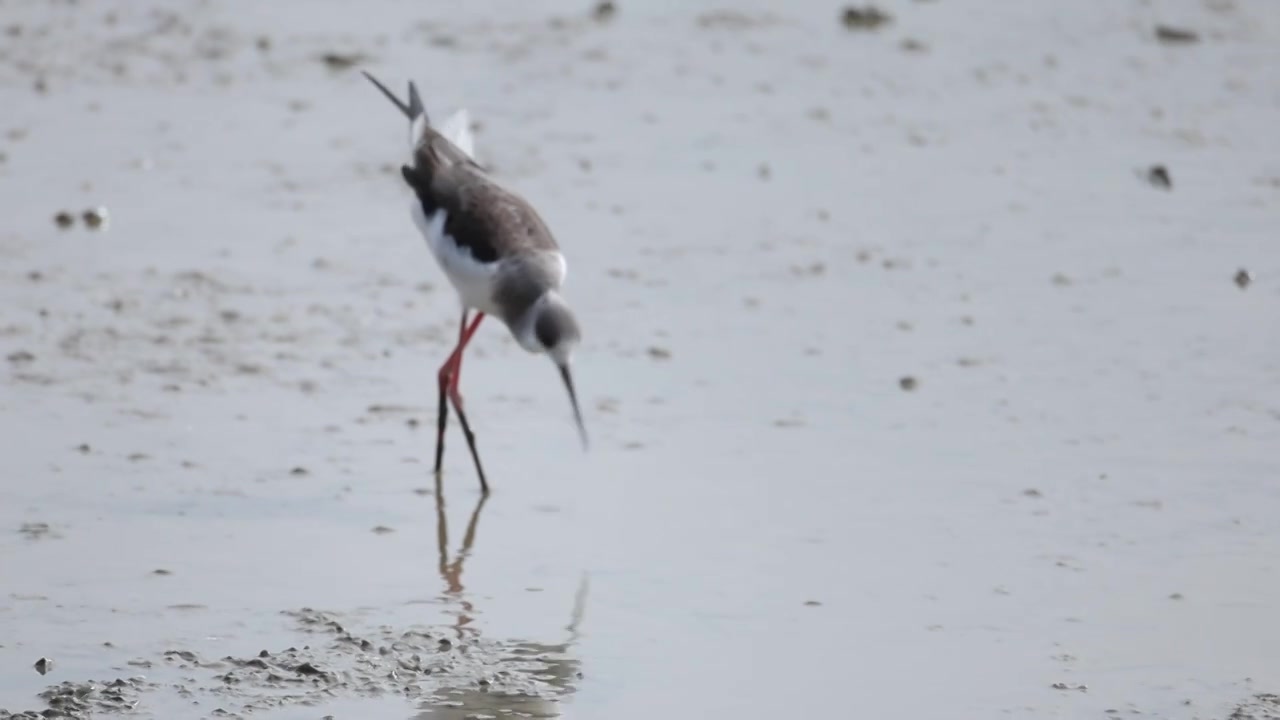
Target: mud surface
(930, 363)
(446, 672)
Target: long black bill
(573, 398)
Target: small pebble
(908, 383)
(64, 219)
(1175, 36)
(1158, 176)
(95, 218)
(43, 665)
(605, 11)
(337, 62)
(864, 18)
(1243, 278)
(1065, 686)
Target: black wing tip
(417, 179)
(412, 110)
(415, 101)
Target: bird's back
(490, 220)
(495, 247)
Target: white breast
(473, 279)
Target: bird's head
(552, 329)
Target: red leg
(448, 379)
(464, 337)
(442, 377)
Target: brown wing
(487, 219)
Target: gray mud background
(932, 363)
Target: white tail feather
(457, 130)
(416, 127)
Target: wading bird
(494, 248)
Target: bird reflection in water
(531, 679)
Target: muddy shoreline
(929, 362)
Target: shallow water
(771, 221)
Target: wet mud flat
(441, 671)
(1024, 461)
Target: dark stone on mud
(605, 10)
(1243, 278)
(36, 530)
(1176, 36)
(307, 668)
(94, 218)
(64, 219)
(186, 655)
(43, 666)
(338, 62)
(1158, 176)
(864, 18)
